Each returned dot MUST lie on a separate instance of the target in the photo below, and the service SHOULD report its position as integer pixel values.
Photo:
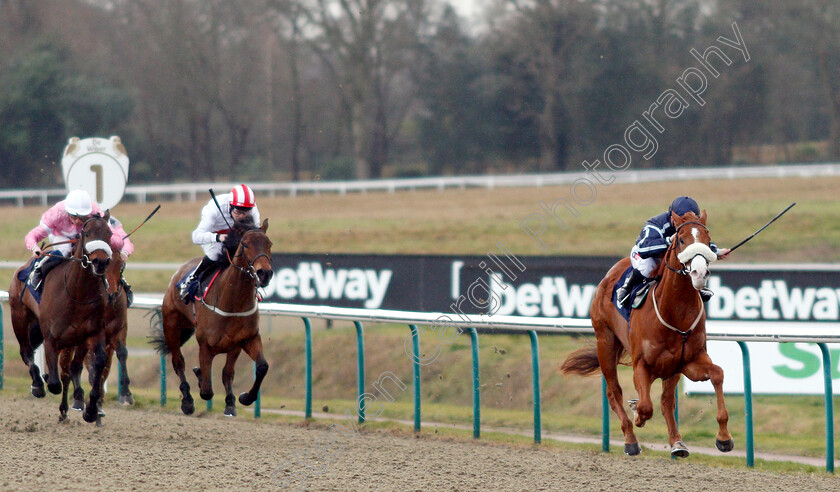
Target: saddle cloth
(637, 295)
(202, 285)
(23, 275)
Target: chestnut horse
(70, 315)
(116, 332)
(666, 336)
(225, 319)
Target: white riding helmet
(78, 203)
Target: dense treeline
(328, 89)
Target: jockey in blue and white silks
(653, 242)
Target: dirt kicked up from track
(151, 449)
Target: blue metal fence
(473, 324)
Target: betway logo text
(552, 297)
(773, 299)
(310, 280)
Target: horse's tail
(157, 340)
(583, 361)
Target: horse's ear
(675, 219)
(703, 217)
(107, 215)
(264, 225)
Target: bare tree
(367, 45)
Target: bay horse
(666, 337)
(70, 315)
(225, 320)
(116, 333)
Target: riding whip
(765, 227)
(141, 224)
(219, 207)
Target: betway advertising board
(502, 283)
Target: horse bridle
(85, 262)
(250, 271)
(685, 270)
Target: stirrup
(706, 294)
(185, 289)
(622, 300)
(129, 295)
(34, 279)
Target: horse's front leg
(79, 358)
(51, 359)
(227, 380)
(253, 348)
(607, 350)
(642, 379)
(702, 369)
(109, 353)
(668, 406)
(27, 352)
(65, 367)
(203, 371)
(91, 413)
(125, 397)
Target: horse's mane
(234, 237)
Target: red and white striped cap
(242, 196)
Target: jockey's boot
(194, 277)
(129, 295)
(706, 294)
(35, 276)
(40, 268)
(622, 295)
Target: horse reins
(683, 271)
(250, 272)
(85, 261)
(671, 247)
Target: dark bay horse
(666, 336)
(225, 320)
(116, 332)
(70, 315)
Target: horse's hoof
(78, 405)
(127, 400)
(632, 449)
(245, 399)
(99, 423)
(100, 412)
(206, 396)
(38, 391)
(679, 450)
(54, 388)
(725, 446)
(90, 417)
(187, 407)
(230, 411)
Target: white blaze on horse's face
(699, 270)
(697, 256)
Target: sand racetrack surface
(152, 449)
